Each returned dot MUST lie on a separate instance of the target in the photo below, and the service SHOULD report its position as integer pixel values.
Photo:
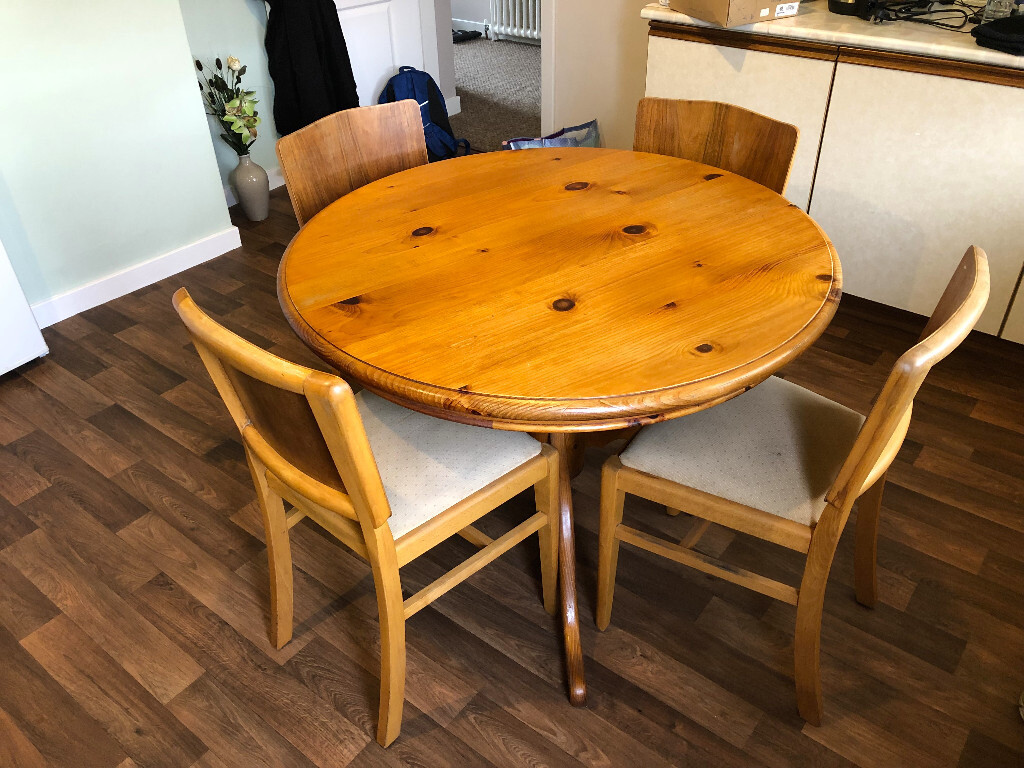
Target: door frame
(439, 56)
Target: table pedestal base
(569, 449)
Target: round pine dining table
(560, 292)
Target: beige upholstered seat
(428, 465)
(777, 448)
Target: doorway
(497, 70)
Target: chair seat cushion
(777, 448)
(428, 465)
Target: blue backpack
(411, 83)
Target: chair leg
(279, 557)
(546, 492)
(865, 577)
(809, 606)
(392, 653)
(806, 652)
(612, 500)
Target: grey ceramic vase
(252, 187)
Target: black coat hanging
(308, 61)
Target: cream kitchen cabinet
(913, 169)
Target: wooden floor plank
(239, 738)
(117, 565)
(212, 530)
(146, 654)
(422, 743)
(137, 365)
(503, 740)
(74, 392)
(23, 608)
(16, 750)
(184, 428)
(80, 437)
(145, 729)
(187, 470)
(680, 687)
(74, 479)
(47, 716)
(250, 676)
(13, 524)
(21, 482)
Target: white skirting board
(274, 175)
(131, 279)
(470, 26)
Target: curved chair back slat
(954, 317)
(342, 152)
(723, 135)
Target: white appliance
(20, 339)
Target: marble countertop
(815, 22)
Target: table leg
(567, 446)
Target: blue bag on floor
(411, 83)
(585, 135)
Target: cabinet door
(913, 169)
(789, 88)
(381, 36)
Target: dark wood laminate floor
(133, 583)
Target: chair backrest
(302, 425)
(341, 152)
(723, 135)
(886, 425)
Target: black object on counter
(844, 7)
(1006, 35)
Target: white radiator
(515, 18)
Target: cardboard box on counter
(733, 13)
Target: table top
(560, 289)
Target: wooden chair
(723, 135)
(785, 465)
(311, 442)
(344, 151)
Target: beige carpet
(499, 82)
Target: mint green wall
(105, 156)
(236, 28)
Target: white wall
(477, 11)
(106, 163)
(235, 28)
(594, 65)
